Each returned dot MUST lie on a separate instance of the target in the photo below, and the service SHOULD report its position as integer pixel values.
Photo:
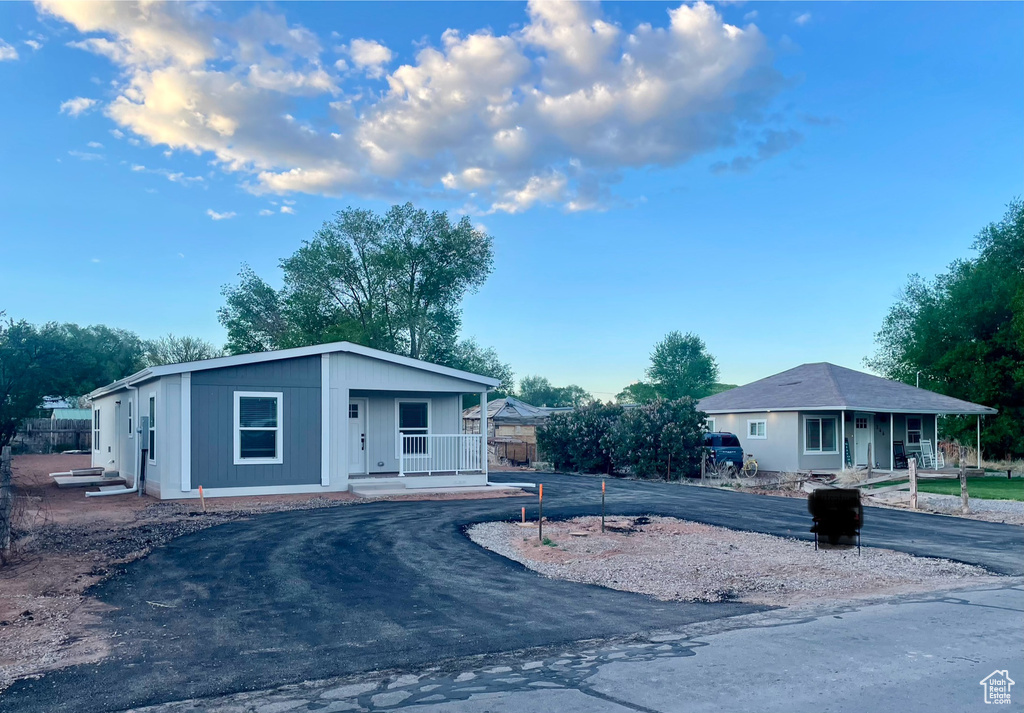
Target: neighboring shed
(818, 416)
(511, 428)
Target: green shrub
(648, 436)
(605, 438)
(578, 440)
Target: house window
(820, 435)
(709, 425)
(258, 418)
(413, 419)
(757, 429)
(152, 428)
(860, 422)
(913, 431)
(131, 432)
(353, 410)
(96, 429)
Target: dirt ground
(674, 559)
(66, 542)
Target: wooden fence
(912, 477)
(47, 435)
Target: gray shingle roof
(824, 386)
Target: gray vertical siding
(213, 424)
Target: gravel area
(672, 559)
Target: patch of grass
(549, 542)
(989, 488)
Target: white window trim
(709, 424)
(131, 423)
(152, 429)
(279, 441)
(96, 429)
(398, 432)
(758, 420)
(820, 452)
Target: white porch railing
(445, 453)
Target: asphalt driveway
(313, 594)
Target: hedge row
(642, 440)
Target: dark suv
(725, 448)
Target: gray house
(815, 416)
(307, 420)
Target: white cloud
(369, 55)
(172, 176)
(288, 210)
(94, 260)
(7, 52)
(803, 19)
(34, 44)
(266, 211)
(220, 216)
(86, 155)
(77, 106)
(117, 133)
(750, 16)
(550, 114)
(181, 255)
(94, 145)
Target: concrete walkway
(924, 654)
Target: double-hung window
(96, 429)
(913, 431)
(709, 424)
(258, 417)
(151, 439)
(413, 418)
(820, 435)
(757, 429)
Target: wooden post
(979, 441)
(964, 503)
(912, 469)
(703, 464)
(869, 457)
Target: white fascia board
(315, 350)
(981, 410)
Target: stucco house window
(757, 429)
(258, 425)
(820, 435)
(913, 430)
(412, 419)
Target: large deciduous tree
(178, 350)
(58, 360)
(680, 367)
(964, 331)
(538, 391)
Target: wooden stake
(602, 506)
(202, 500)
(540, 513)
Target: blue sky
(763, 174)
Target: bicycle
(749, 469)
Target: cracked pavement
(368, 594)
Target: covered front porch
(411, 439)
(871, 439)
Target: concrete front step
(373, 490)
(85, 481)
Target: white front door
(357, 436)
(862, 429)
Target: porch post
(979, 441)
(842, 447)
(937, 442)
(892, 443)
(325, 420)
(483, 431)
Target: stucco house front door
(862, 430)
